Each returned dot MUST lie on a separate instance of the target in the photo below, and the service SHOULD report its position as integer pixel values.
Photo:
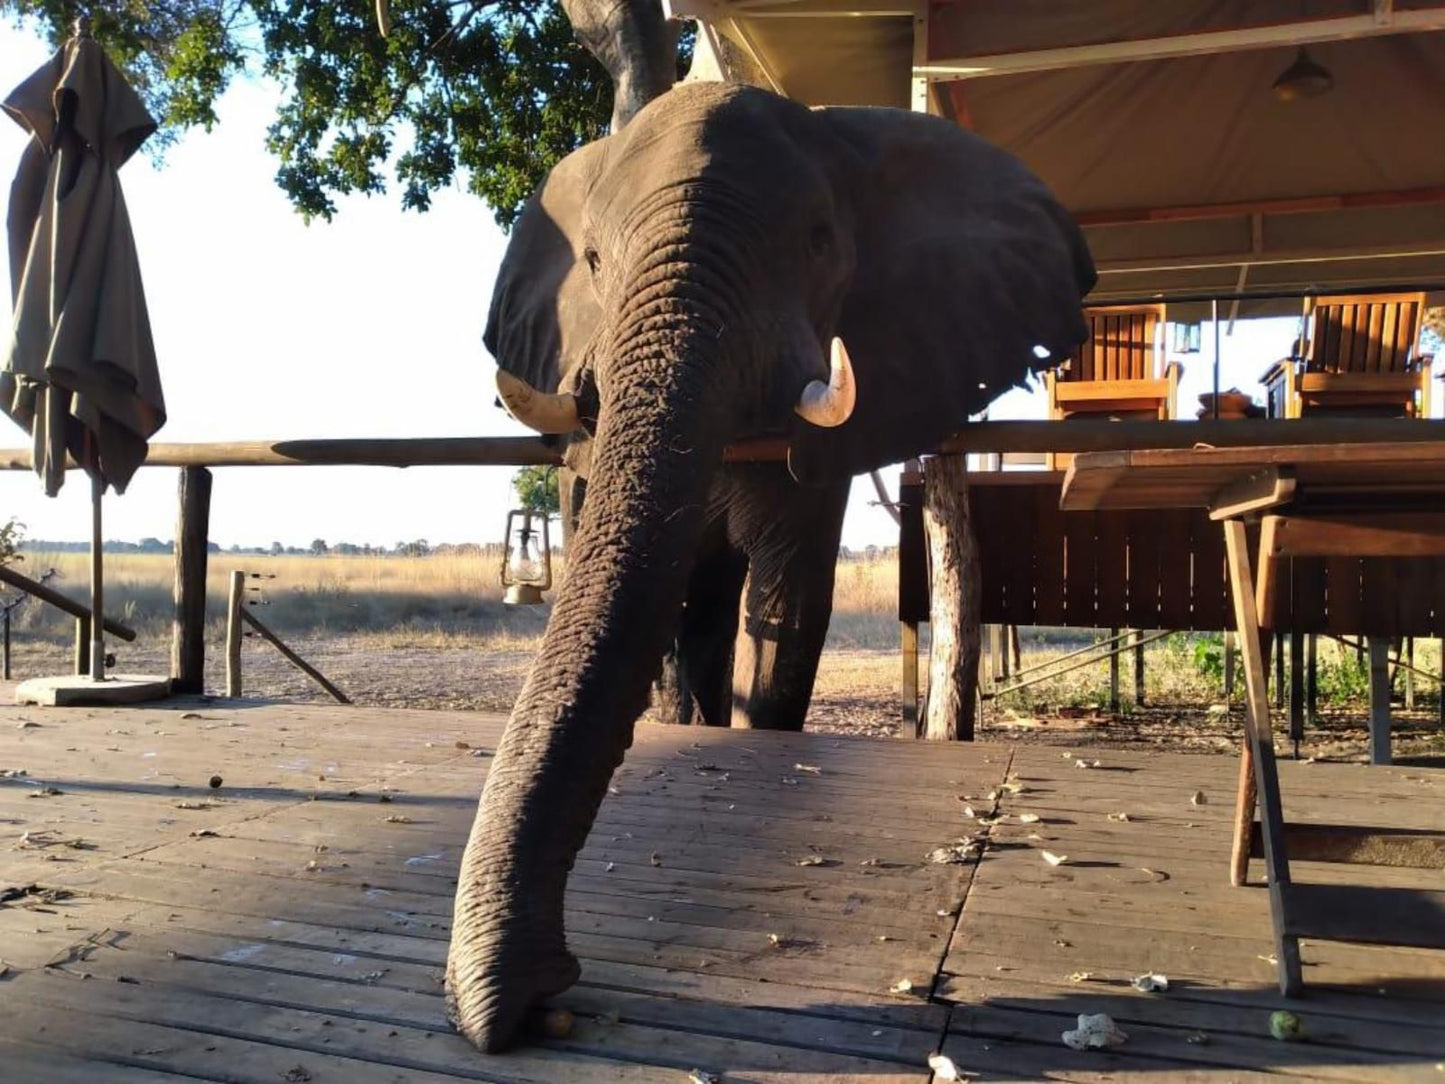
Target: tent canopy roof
(1156, 123)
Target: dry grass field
(433, 632)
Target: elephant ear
(543, 307)
(969, 277)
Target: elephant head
(680, 284)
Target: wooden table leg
(1260, 739)
(1244, 803)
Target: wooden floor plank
(299, 913)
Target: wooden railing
(66, 604)
(196, 460)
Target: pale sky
(368, 326)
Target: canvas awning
(1156, 123)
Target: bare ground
(857, 692)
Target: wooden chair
(1118, 372)
(1361, 357)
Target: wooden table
(1312, 500)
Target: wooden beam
(1395, 534)
(1277, 258)
(64, 603)
(1402, 197)
(293, 658)
(1269, 488)
(1201, 43)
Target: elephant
(729, 263)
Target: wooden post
(82, 645)
(1296, 689)
(188, 626)
(7, 645)
(1018, 649)
(1441, 683)
(236, 600)
(1379, 700)
(1114, 673)
(912, 584)
(909, 645)
(1139, 667)
(954, 589)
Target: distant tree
(1435, 326)
(346, 549)
(495, 91)
(536, 489)
(319, 548)
(417, 548)
(12, 536)
(277, 549)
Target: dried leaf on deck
(1151, 982)
(205, 833)
(655, 859)
(1054, 859)
(1096, 1031)
(1082, 763)
(810, 769)
(397, 818)
(1198, 798)
(1029, 818)
(45, 792)
(1080, 976)
(902, 986)
(702, 1076)
(810, 860)
(955, 854)
(943, 1067)
(1119, 817)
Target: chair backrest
(1370, 333)
(1123, 344)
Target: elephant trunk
(659, 440)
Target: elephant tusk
(543, 411)
(830, 404)
(383, 17)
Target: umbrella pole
(97, 581)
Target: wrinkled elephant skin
(683, 280)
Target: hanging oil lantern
(526, 558)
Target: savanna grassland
(432, 632)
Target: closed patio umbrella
(80, 370)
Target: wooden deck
(744, 906)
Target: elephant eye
(594, 261)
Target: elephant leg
(696, 676)
(709, 626)
(792, 557)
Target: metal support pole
(1114, 678)
(97, 583)
(1296, 690)
(1379, 700)
(1139, 668)
(1312, 682)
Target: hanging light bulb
(1303, 79)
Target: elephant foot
(489, 994)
